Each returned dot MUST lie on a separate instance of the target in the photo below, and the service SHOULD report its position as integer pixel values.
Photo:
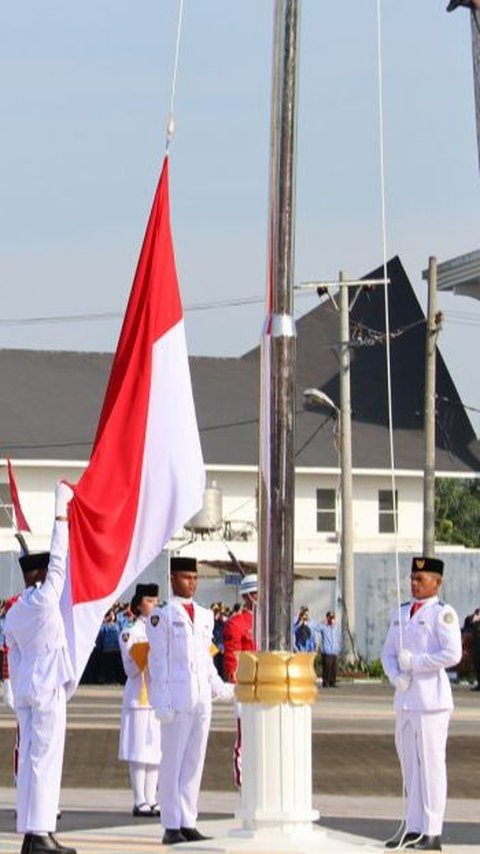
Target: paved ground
(356, 777)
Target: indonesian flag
(145, 477)
(21, 523)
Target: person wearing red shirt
(238, 636)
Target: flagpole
(275, 686)
(278, 352)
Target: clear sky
(84, 95)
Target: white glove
(401, 682)
(165, 716)
(8, 694)
(405, 660)
(63, 495)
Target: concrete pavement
(356, 777)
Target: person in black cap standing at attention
(42, 680)
(140, 730)
(423, 639)
(184, 680)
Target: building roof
(52, 400)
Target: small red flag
(21, 523)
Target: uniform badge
(155, 620)
(419, 564)
(125, 636)
(448, 617)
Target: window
(326, 510)
(387, 515)
(6, 508)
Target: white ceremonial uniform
(423, 710)
(43, 680)
(184, 680)
(140, 728)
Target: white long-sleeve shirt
(184, 677)
(433, 637)
(35, 633)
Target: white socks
(143, 779)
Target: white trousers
(184, 744)
(421, 739)
(40, 760)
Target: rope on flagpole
(170, 120)
(387, 311)
(400, 833)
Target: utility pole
(346, 488)
(432, 330)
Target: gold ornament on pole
(276, 677)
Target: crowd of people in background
(105, 663)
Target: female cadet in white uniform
(140, 729)
(423, 639)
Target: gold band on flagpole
(276, 677)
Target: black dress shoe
(172, 837)
(36, 843)
(191, 834)
(402, 840)
(142, 810)
(428, 843)
(59, 847)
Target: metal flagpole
(277, 422)
(275, 687)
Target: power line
(118, 315)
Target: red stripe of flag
(103, 511)
(21, 523)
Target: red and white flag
(21, 523)
(146, 476)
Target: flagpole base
(314, 840)
(276, 767)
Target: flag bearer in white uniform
(422, 640)
(42, 681)
(140, 728)
(184, 679)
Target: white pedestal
(276, 812)
(276, 767)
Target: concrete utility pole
(346, 481)
(432, 330)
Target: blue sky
(84, 97)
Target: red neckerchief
(416, 607)
(189, 609)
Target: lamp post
(316, 397)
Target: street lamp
(317, 398)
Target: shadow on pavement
(455, 833)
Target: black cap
(427, 564)
(31, 562)
(183, 564)
(142, 590)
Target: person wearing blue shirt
(330, 650)
(304, 640)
